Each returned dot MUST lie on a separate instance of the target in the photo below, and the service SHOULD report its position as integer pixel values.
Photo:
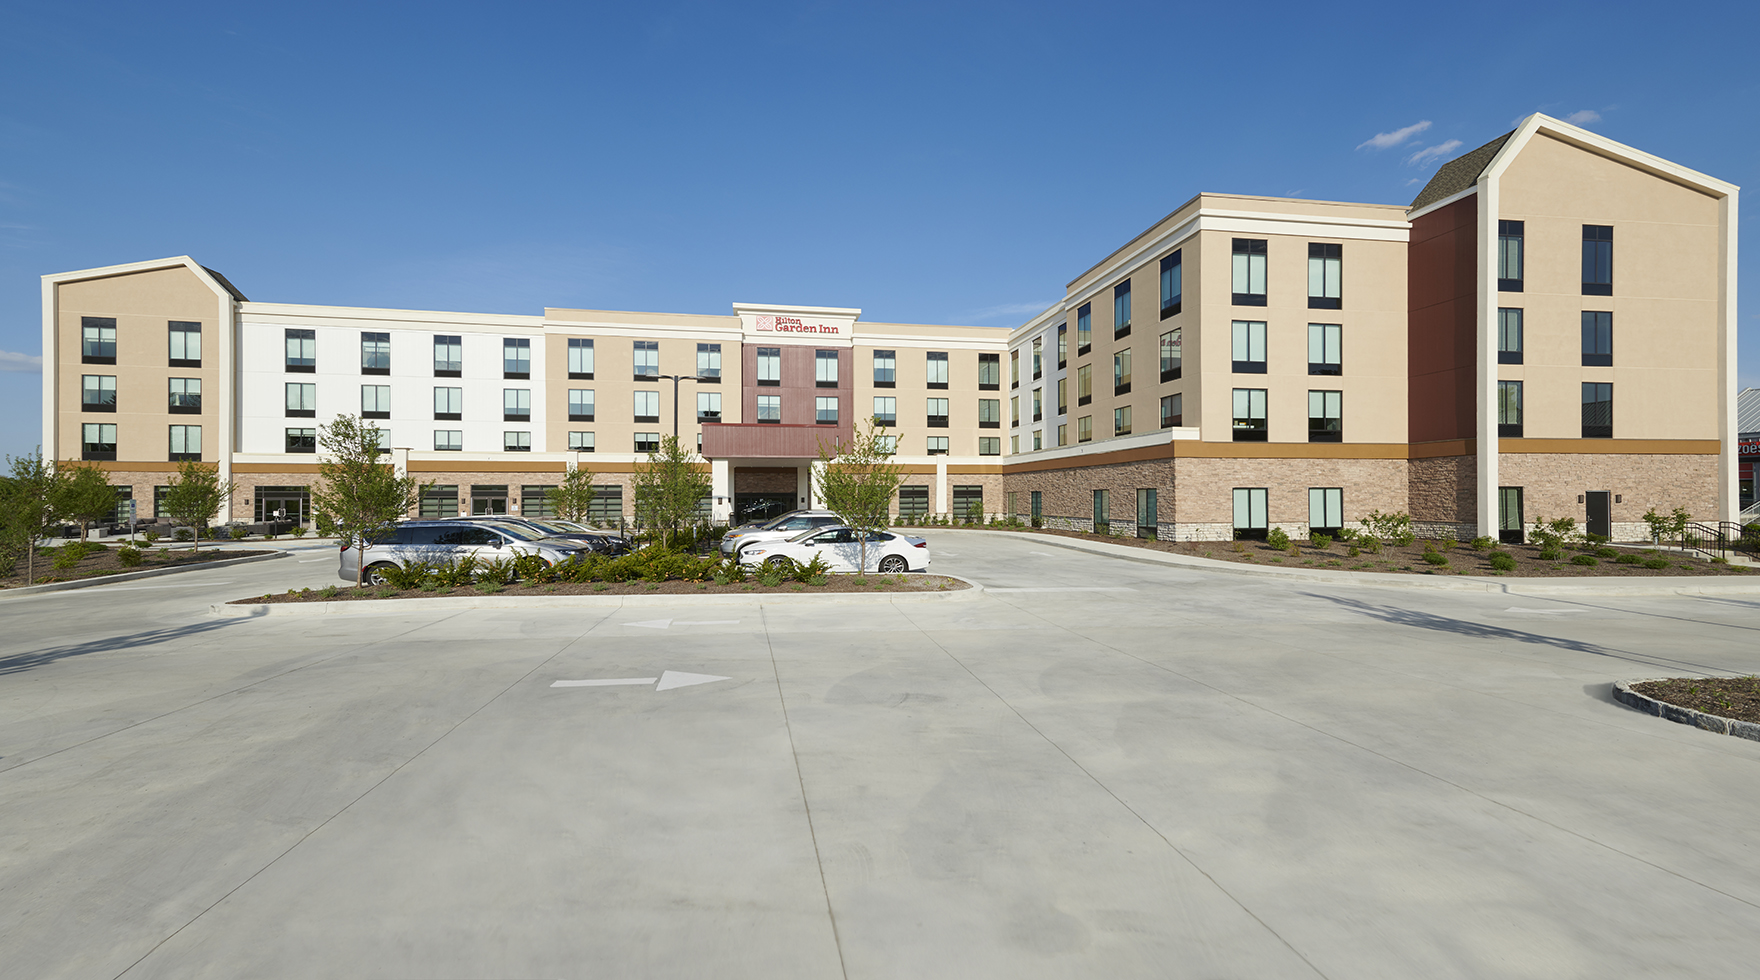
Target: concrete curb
(1623, 693)
(455, 603)
(88, 583)
(1579, 585)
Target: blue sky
(935, 163)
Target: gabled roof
(1460, 173)
(222, 280)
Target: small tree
(572, 498)
(195, 496)
(84, 495)
(27, 510)
(670, 487)
(358, 496)
(857, 482)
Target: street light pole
(675, 379)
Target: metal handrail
(1714, 538)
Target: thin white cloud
(1432, 152)
(1414, 180)
(1007, 309)
(1382, 141)
(1583, 117)
(19, 362)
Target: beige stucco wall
(614, 387)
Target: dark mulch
(834, 583)
(106, 563)
(1409, 560)
(1726, 697)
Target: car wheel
(774, 561)
(894, 565)
(376, 573)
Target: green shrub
(533, 568)
(1446, 544)
(1585, 560)
(69, 555)
(490, 586)
(815, 569)
(1503, 562)
(1498, 551)
(1483, 543)
(1355, 552)
(328, 591)
(298, 531)
(497, 570)
(240, 533)
(1320, 540)
(1550, 554)
(1436, 558)
(769, 576)
(1395, 527)
(456, 572)
(1630, 559)
(150, 536)
(410, 576)
(1371, 544)
(129, 557)
(1608, 553)
(1654, 563)
(1278, 539)
(184, 534)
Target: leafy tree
(573, 496)
(669, 487)
(857, 482)
(84, 495)
(195, 496)
(27, 510)
(358, 496)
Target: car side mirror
(498, 543)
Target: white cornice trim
(1159, 437)
(1445, 202)
(831, 311)
(287, 312)
(1595, 141)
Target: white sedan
(842, 549)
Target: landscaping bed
(95, 560)
(1726, 697)
(831, 583)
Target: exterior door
(1509, 515)
(1599, 520)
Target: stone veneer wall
(1551, 483)
(1442, 491)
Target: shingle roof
(1460, 173)
(225, 284)
(1748, 410)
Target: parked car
(606, 542)
(842, 547)
(446, 540)
(776, 529)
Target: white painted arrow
(668, 680)
(606, 682)
(660, 624)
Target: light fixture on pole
(675, 379)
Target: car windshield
(775, 523)
(555, 527)
(517, 531)
(808, 533)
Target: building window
(1509, 515)
(1084, 384)
(302, 401)
(186, 343)
(708, 406)
(1249, 512)
(1038, 359)
(98, 440)
(185, 396)
(1249, 415)
(1509, 256)
(968, 504)
(1038, 404)
(1325, 510)
(1509, 409)
(770, 366)
(1063, 435)
(1172, 411)
(516, 404)
(439, 501)
(989, 413)
(1121, 372)
(1121, 310)
(1325, 348)
(1325, 416)
(375, 353)
(887, 444)
(825, 368)
(449, 440)
(913, 502)
(186, 442)
(448, 403)
(885, 410)
(989, 372)
(937, 369)
(885, 368)
(1102, 511)
(1325, 271)
(302, 440)
(1121, 421)
(1509, 336)
(1249, 347)
(647, 406)
(1148, 514)
(647, 442)
(937, 445)
(1597, 260)
(448, 356)
(516, 442)
(989, 445)
(1597, 339)
(375, 401)
(606, 508)
(937, 413)
(1062, 396)
(1014, 410)
(770, 409)
(97, 393)
(1249, 271)
(647, 359)
(302, 351)
(534, 501)
(580, 359)
(580, 442)
(580, 404)
(1171, 285)
(1171, 354)
(1085, 429)
(1084, 328)
(516, 357)
(1014, 369)
(1597, 410)
(825, 410)
(1062, 345)
(97, 339)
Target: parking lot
(1097, 768)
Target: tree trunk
(30, 562)
(360, 567)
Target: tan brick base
(1551, 483)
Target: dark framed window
(1597, 338)
(448, 356)
(1249, 415)
(647, 406)
(302, 400)
(1509, 256)
(582, 442)
(1062, 345)
(1084, 328)
(647, 442)
(1325, 348)
(1597, 410)
(935, 367)
(885, 368)
(1325, 276)
(1172, 354)
(1172, 285)
(1148, 514)
(770, 409)
(769, 367)
(97, 393)
(1014, 369)
(184, 396)
(581, 359)
(1325, 510)
(825, 409)
(98, 440)
(516, 404)
(185, 338)
(448, 441)
(1038, 404)
(968, 504)
(448, 404)
(647, 359)
(1121, 372)
(825, 369)
(937, 445)
(1102, 511)
(885, 410)
(1509, 515)
(913, 502)
(708, 406)
(1509, 409)
(1250, 506)
(97, 339)
(1172, 411)
(989, 372)
(1121, 310)
(1038, 358)
(989, 413)
(580, 404)
(1084, 384)
(989, 445)
(375, 353)
(186, 443)
(1325, 416)
(937, 413)
(375, 401)
(516, 442)
(1248, 271)
(1121, 421)
(1509, 335)
(302, 351)
(302, 440)
(516, 357)
(1249, 347)
(1597, 260)
(709, 363)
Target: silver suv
(776, 529)
(440, 541)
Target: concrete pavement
(1098, 768)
